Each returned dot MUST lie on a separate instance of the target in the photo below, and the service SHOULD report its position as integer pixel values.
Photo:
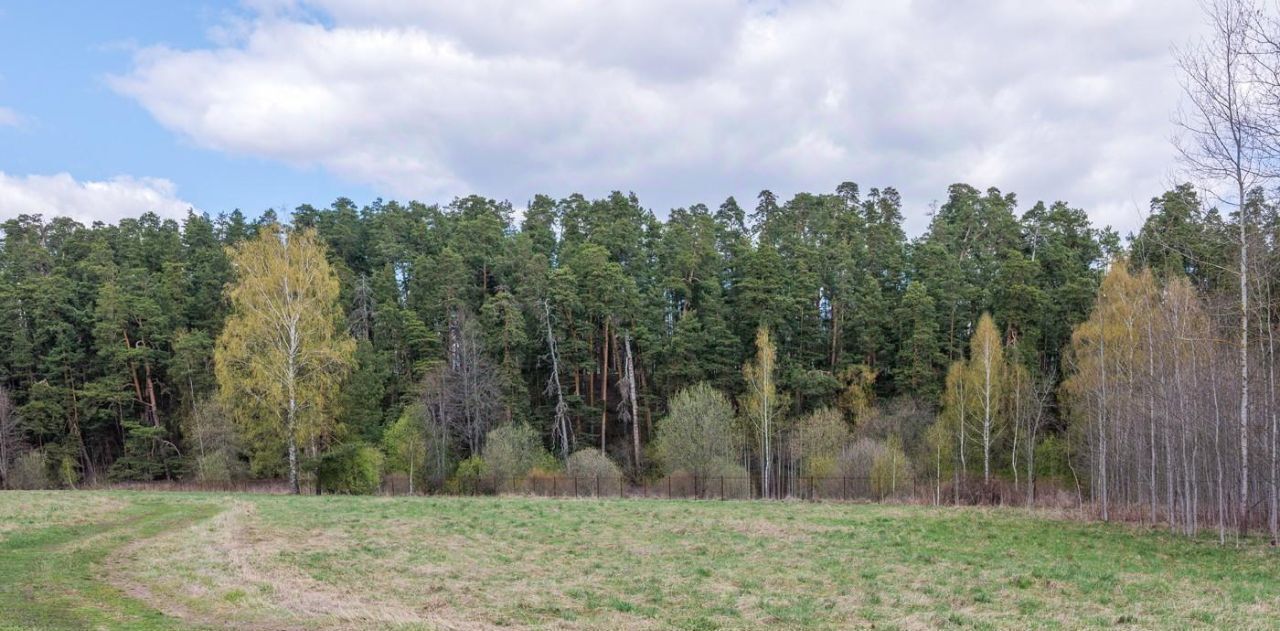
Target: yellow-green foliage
(858, 397)
(406, 445)
(470, 477)
(590, 463)
(511, 452)
(282, 355)
(891, 471)
(353, 468)
(697, 434)
(818, 441)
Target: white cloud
(88, 201)
(685, 102)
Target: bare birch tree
(1222, 144)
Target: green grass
(175, 560)
(50, 575)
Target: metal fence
(671, 487)
(809, 488)
(269, 486)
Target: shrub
(590, 463)
(406, 447)
(215, 444)
(470, 477)
(857, 459)
(596, 473)
(729, 480)
(891, 471)
(29, 471)
(68, 471)
(1052, 460)
(511, 451)
(819, 438)
(434, 461)
(697, 435)
(354, 468)
(218, 466)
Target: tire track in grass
(51, 578)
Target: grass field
(167, 560)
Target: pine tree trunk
(604, 390)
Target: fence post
(597, 485)
(620, 495)
(668, 487)
(721, 488)
(575, 486)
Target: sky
(108, 110)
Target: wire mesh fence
(963, 490)
(713, 487)
(673, 487)
(266, 486)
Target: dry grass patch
(22, 510)
(223, 570)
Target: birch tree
(986, 378)
(283, 352)
(406, 445)
(762, 404)
(1221, 144)
(954, 420)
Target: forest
(998, 344)
(1008, 345)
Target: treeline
(808, 337)
(108, 330)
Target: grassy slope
(274, 562)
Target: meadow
(151, 560)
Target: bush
(68, 471)
(891, 471)
(511, 451)
(353, 468)
(218, 466)
(1052, 460)
(736, 483)
(30, 471)
(406, 447)
(595, 472)
(729, 480)
(819, 438)
(590, 463)
(697, 436)
(214, 443)
(471, 477)
(857, 459)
